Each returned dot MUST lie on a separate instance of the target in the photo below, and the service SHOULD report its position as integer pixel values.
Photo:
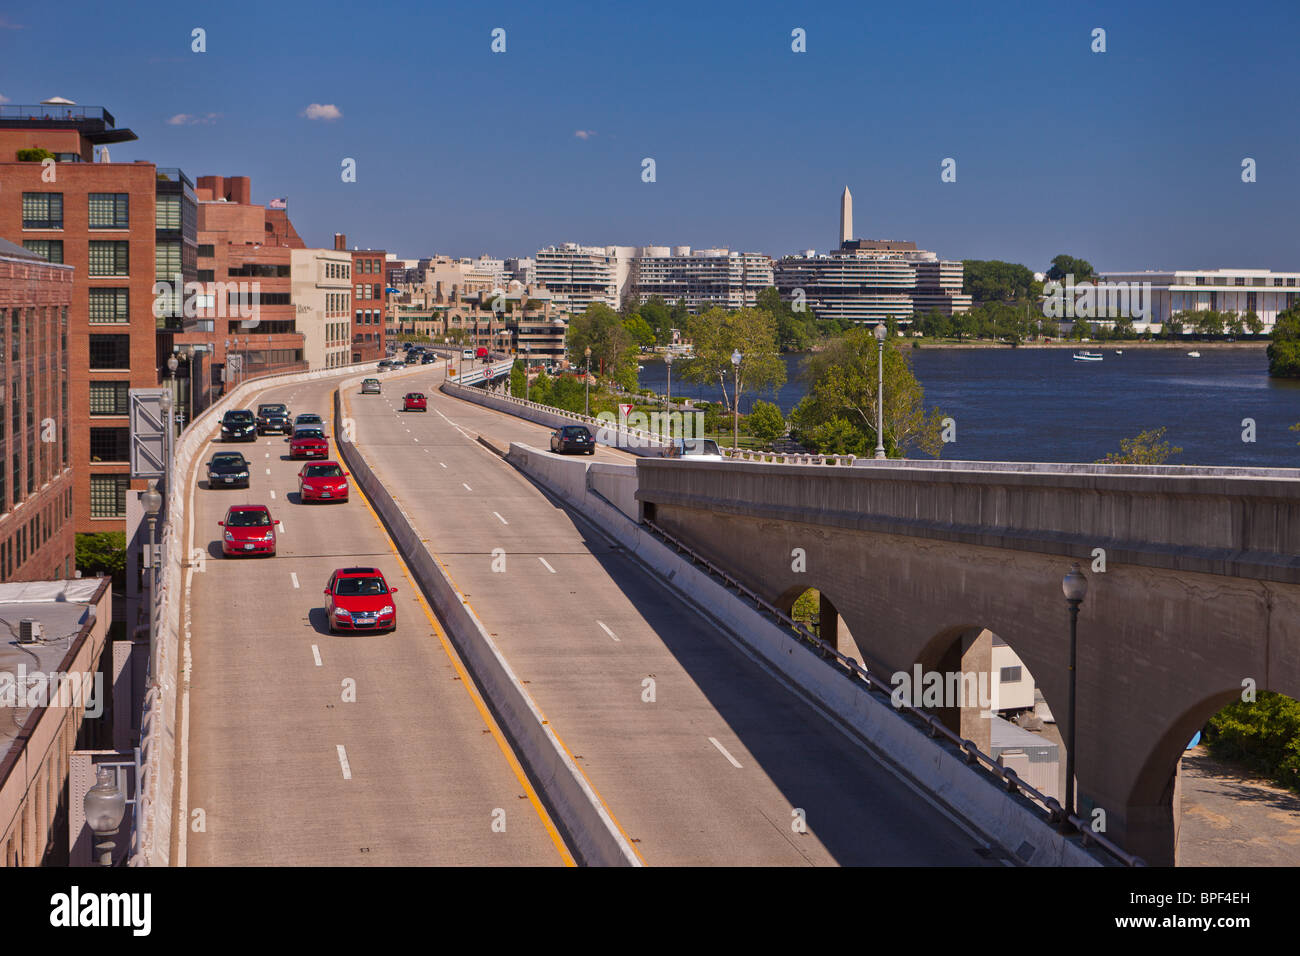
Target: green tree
(613, 352)
(102, 552)
(717, 334)
(1284, 350)
(765, 422)
(35, 154)
(657, 315)
(1064, 265)
(1253, 324)
(517, 387)
(995, 281)
(1263, 734)
(1147, 448)
(838, 415)
(639, 329)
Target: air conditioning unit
(30, 631)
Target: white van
(467, 353)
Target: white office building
(1261, 291)
(578, 275)
(321, 285)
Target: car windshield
(371, 381)
(228, 461)
(248, 519)
(359, 586)
(271, 409)
(239, 416)
(306, 417)
(699, 446)
(575, 431)
(415, 395)
(309, 432)
(324, 471)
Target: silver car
(370, 386)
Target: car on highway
(273, 417)
(238, 424)
(415, 402)
(228, 469)
(576, 438)
(397, 363)
(309, 441)
(385, 364)
(308, 418)
(467, 353)
(250, 529)
(428, 358)
(696, 449)
(322, 481)
(370, 386)
(359, 599)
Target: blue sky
(1129, 158)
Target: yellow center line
(467, 682)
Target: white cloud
(3, 98)
(325, 111)
(584, 133)
(193, 119)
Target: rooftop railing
(48, 111)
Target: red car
(323, 481)
(415, 402)
(309, 441)
(359, 599)
(249, 530)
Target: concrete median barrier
(589, 828)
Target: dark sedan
(228, 469)
(577, 438)
(238, 425)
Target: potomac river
(1040, 405)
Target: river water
(1041, 405)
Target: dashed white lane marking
(272, 492)
(443, 463)
(293, 576)
(315, 654)
(546, 564)
(604, 627)
(499, 518)
(343, 762)
(721, 749)
(415, 439)
(467, 487)
(267, 455)
(268, 471)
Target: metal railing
(786, 457)
(1007, 778)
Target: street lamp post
(152, 502)
(104, 805)
(586, 384)
(880, 389)
(528, 362)
(668, 361)
(172, 364)
(1075, 587)
(735, 397)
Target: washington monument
(846, 216)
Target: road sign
(148, 433)
(624, 409)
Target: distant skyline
(1130, 158)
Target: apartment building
(700, 278)
(37, 542)
(523, 320)
(122, 227)
(578, 275)
(321, 282)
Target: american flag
(278, 203)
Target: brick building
(122, 226)
(37, 542)
(369, 298)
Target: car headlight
(242, 474)
(229, 536)
(269, 536)
(339, 612)
(387, 610)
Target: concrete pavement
(701, 755)
(283, 767)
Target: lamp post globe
(104, 806)
(735, 398)
(881, 332)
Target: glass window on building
(109, 398)
(167, 260)
(109, 257)
(110, 351)
(109, 305)
(49, 249)
(110, 444)
(167, 213)
(109, 211)
(108, 496)
(42, 210)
